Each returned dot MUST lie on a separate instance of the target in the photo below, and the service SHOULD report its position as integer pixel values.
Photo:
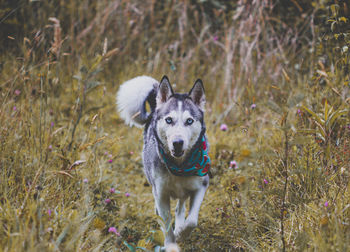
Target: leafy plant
(326, 124)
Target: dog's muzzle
(177, 148)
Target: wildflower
(216, 38)
(253, 106)
(265, 181)
(110, 156)
(233, 164)
(17, 92)
(52, 124)
(49, 212)
(112, 190)
(131, 152)
(110, 161)
(14, 108)
(326, 204)
(106, 153)
(107, 201)
(85, 180)
(345, 49)
(50, 147)
(127, 194)
(299, 112)
(113, 230)
(223, 127)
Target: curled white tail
(131, 99)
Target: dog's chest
(182, 187)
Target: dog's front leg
(195, 203)
(163, 208)
(180, 214)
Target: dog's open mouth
(178, 154)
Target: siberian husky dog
(175, 154)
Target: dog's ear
(165, 91)
(197, 94)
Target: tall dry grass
(70, 170)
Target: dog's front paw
(184, 231)
(177, 233)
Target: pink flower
(107, 201)
(223, 127)
(113, 230)
(299, 112)
(85, 180)
(233, 164)
(106, 153)
(52, 124)
(110, 161)
(14, 108)
(110, 156)
(326, 204)
(49, 212)
(50, 147)
(112, 190)
(265, 181)
(253, 106)
(131, 152)
(17, 92)
(215, 38)
(127, 194)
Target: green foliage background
(63, 146)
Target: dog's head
(179, 118)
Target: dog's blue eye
(189, 121)
(168, 120)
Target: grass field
(277, 87)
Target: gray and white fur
(176, 124)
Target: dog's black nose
(178, 145)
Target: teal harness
(197, 165)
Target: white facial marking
(179, 130)
(179, 105)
